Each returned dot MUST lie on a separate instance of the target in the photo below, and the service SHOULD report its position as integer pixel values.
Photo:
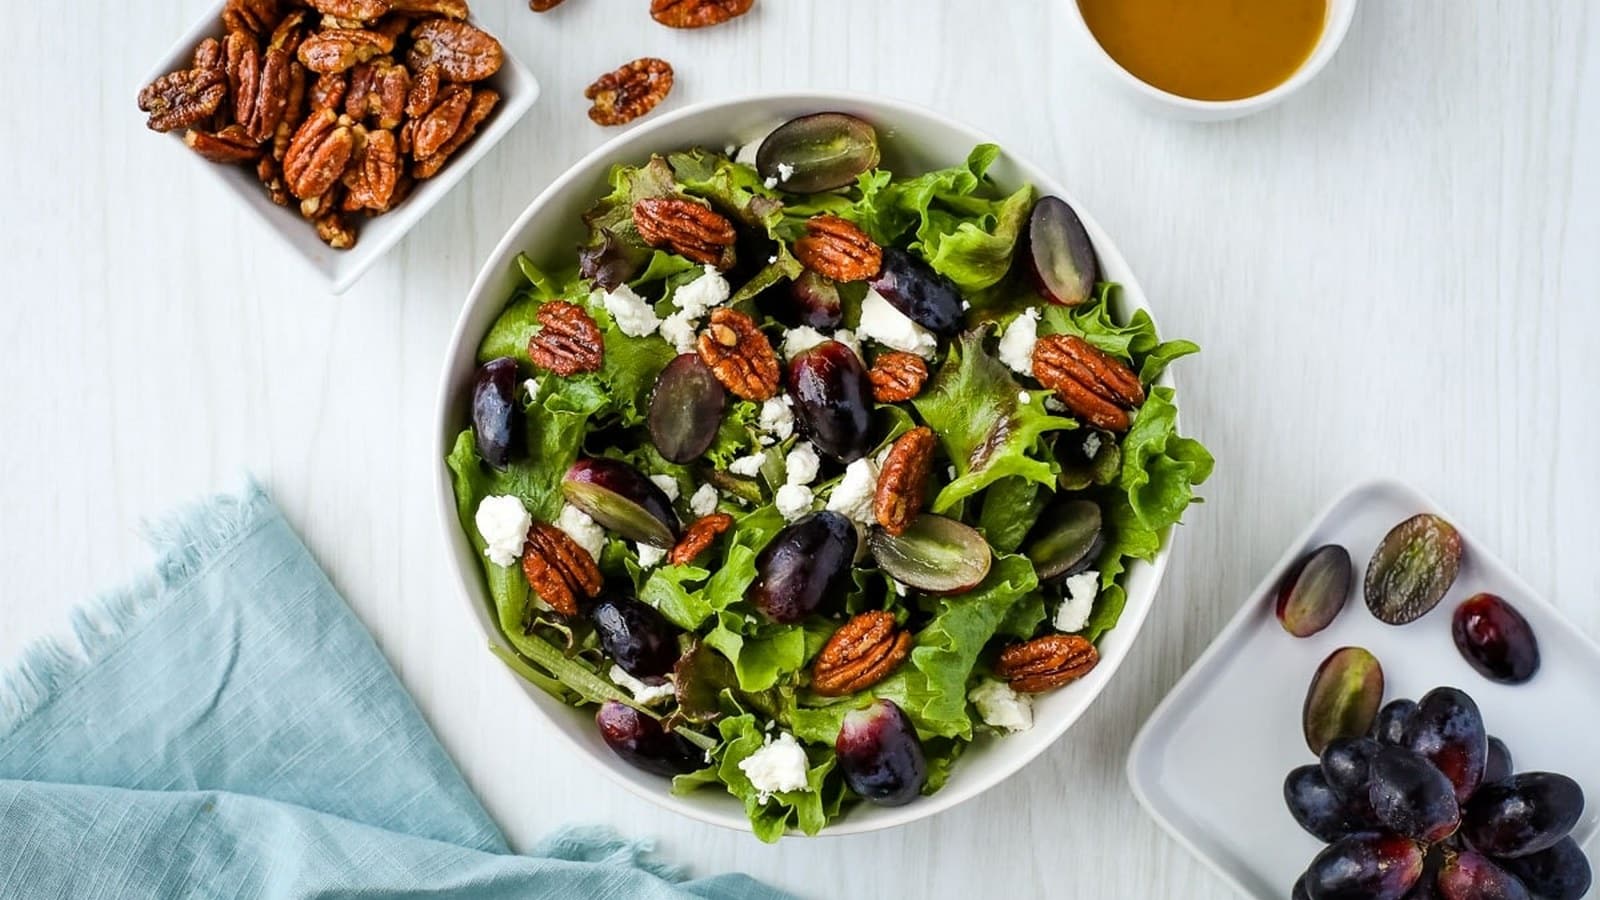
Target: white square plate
(1209, 764)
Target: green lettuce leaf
(614, 252)
(808, 810)
(1135, 342)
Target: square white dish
(518, 90)
(1209, 763)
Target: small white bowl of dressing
(1209, 60)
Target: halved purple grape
(686, 409)
(643, 743)
(818, 152)
(1495, 639)
(1343, 698)
(1314, 591)
(1390, 728)
(1066, 540)
(1058, 255)
(1560, 873)
(1447, 730)
(935, 553)
(816, 300)
(1410, 797)
(1317, 807)
(494, 410)
(1414, 565)
(636, 636)
(834, 399)
(699, 678)
(921, 294)
(619, 497)
(1472, 876)
(1365, 867)
(1497, 766)
(880, 755)
(805, 568)
(1523, 814)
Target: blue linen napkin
(227, 728)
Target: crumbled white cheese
(793, 501)
(1091, 444)
(766, 440)
(647, 694)
(777, 417)
(848, 338)
(965, 305)
(668, 485)
(802, 463)
(704, 501)
(771, 182)
(748, 466)
(634, 317)
(1074, 611)
(650, 557)
(900, 590)
(852, 496)
(798, 340)
(1002, 707)
(730, 151)
(881, 322)
(747, 154)
(1054, 404)
(588, 533)
(950, 472)
(679, 331)
(780, 765)
(772, 260)
(532, 387)
(1016, 345)
(697, 297)
(504, 522)
(785, 171)
(1023, 397)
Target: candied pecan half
(1097, 388)
(483, 103)
(289, 33)
(378, 92)
(629, 92)
(1046, 662)
(904, 477)
(373, 173)
(270, 97)
(317, 154)
(337, 50)
(328, 91)
(462, 52)
(897, 375)
(860, 654)
(356, 10)
(228, 145)
(251, 16)
(687, 228)
(836, 248)
(441, 124)
(183, 99)
(208, 56)
(697, 537)
(739, 355)
(424, 92)
(450, 9)
(568, 341)
(697, 13)
(543, 5)
(559, 570)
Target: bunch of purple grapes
(1426, 805)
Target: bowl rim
(469, 583)
(1340, 14)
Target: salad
(805, 474)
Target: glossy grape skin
(1427, 886)
(833, 400)
(1346, 766)
(1410, 797)
(1559, 873)
(494, 411)
(1343, 698)
(1390, 728)
(622, 499)
(1365, 867)
(643, 743)
(880, 755)
(1498, 765)
(1299, 890)
(816, 301)
(1057, 254)
(1472, 876)
(686, 409)
(635, 636)
(1447, 730)
(805, 568)
(1317, 808)
(921, 294)
(1523, 814)
(1495, 639)
(1315, 590)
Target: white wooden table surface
(1398, 272)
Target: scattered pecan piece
(483, 103)
(334, 229)
(687, 228)
(629, 92)
(543, 5)
(559, 570)
(270, 174)
(836, 248)
(897, 375)
(183, 99)
(373, 173)
(339, 49)
(328, 91)
(697, 13)
(229, 145)
(1094, 386)
(1046, 662)
(289, 33)
(450, 9)
(208, 56)
(251, 16)
(860, 654)
(378, 92)
(462, 52)
(441, 124)
(356, 10)
(568, 341)
(898, 500)
(697, 537)
(739, 355)
(424, 92)
(317, 154)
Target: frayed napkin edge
(185, 542)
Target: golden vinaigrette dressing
(1208, 49)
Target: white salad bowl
(913, 140)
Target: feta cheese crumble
(1074, 611)
(777, 417)
(647, 694)
(1054, 404)
(504, 522)
(704, 501)
(802, 464)
(785, 172)
(1091, 444)
(771, 182)
(747, 154)
(848, 338)
(798, 340)
(748, 466)
(697, 297)
(634, 317)
(532, 387)
(668, 485)
(881, 322)
(780, 765)
(852, 497)
(1023, 397)
(1002, 707)
(588, 533)
(679, 331)
(793, 501)
(1016, 344)
(650, 557)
